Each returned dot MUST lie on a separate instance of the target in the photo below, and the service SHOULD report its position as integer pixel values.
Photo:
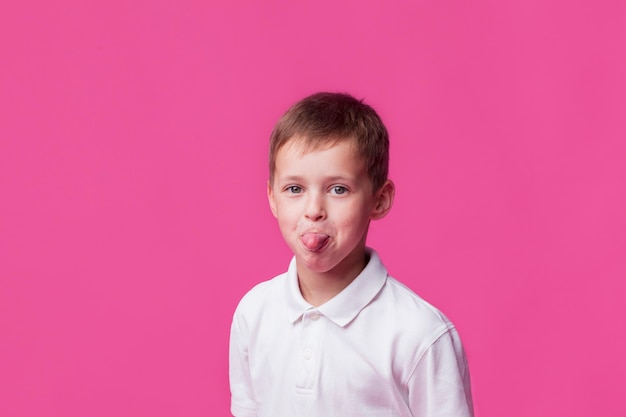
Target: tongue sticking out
(314, 241)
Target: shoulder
(260, 295)
(412, 314)
(407, 299)
(403, 303)
(261, 304)
(405, 326)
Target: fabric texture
(375, 349)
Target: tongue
(314, 241)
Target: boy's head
(324, 119)
(328, 179)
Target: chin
(313, 262)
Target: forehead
(302, 145)
(330, 158)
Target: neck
(319, 287)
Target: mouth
(314, 242)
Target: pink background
(133, 140)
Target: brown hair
(326, 118)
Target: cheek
(287, 221)
(354, 221)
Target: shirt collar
(346, 305)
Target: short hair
(327, 118)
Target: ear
(383, 200)
(270, 198)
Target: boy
(335, 336)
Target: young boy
(335, 336)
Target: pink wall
(133, 139)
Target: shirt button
(307, 354)
(315, 316)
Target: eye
(338, 189)
(294, 189)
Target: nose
(314, 209)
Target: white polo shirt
(375, 349)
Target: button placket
(312, 329)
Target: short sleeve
(242, 398)
(440, 383)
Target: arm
(242, 397)
(440, 384)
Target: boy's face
(323, 200)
